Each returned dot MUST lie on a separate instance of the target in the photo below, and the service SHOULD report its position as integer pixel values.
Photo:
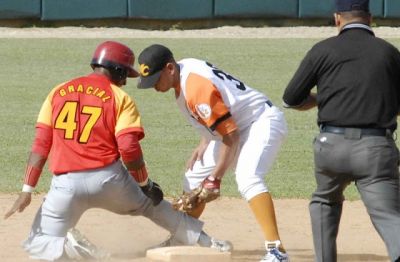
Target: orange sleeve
(205, 101)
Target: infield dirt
(127, 237)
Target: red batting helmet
(114, 55)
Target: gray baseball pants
(110, 188)
(372, 163)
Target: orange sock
(264, 211)
(196, 213)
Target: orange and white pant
(259, 145)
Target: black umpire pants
(370, 161)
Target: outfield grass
(31, 67)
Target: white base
(187, 253)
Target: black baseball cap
(352, 5)
(151, 62)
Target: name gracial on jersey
(88, 90)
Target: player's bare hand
(197, 155)
(20, 204)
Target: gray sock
(204, 240)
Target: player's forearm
(132, 156)
(40, 150)
(33, 171)
(308, 103)
(43, 140)
(204, 142)
(137, 169)
(227, 152)
(202, 147)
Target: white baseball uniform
(209, 97)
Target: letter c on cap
(144, 70)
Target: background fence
(55, 10)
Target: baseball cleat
(273, 253)
(165, 243)
(78, 247)
(221, 245)
(169, 242)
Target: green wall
(392, 8)
(83, 9)
(256, 8)
(325, 8)
(10, 9)
(170, 9)
(181, 9)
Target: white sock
(272, 244)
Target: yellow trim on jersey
(127, 113)
(45, 114)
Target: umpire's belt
(361, 131)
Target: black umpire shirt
(357, 77)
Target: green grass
(31, 67)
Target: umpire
(358, 96)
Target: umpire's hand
(20, 204)
(153, 191)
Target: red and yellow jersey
(86, 115)
(215, 102)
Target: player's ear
(171, 68)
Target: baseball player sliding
(89, 123)
(238, 125)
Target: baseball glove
(208, 190)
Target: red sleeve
(40, 150)
(138, 131)
(131, 154)
(43, 140)
(129, 147)
(32, 175)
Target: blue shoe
(273, 253)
